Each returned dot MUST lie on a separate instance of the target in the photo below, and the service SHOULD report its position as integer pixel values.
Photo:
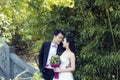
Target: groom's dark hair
(56, 32)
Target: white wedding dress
(64, 75)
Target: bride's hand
(56, 69)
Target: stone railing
(11, 65)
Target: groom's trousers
(48, 74)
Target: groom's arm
(41, 56)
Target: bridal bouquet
(55, 62)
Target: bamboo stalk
(113, 38)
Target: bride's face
(65, 43)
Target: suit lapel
(47, 52)
(47, 48)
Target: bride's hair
(70, 39)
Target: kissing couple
(64, 47)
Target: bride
(67, 58)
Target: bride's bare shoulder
(72, 53)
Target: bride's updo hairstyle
(70, 40)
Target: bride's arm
(72, 65)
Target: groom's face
(58, 38)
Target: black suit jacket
(43, 54)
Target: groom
(48, 50)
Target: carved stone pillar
(4, 60)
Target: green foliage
(95, 25)
(5, 28)
(37, 76)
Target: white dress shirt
(52, 52)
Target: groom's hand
(69, 65)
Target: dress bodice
(64, 75)
(64, 62)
